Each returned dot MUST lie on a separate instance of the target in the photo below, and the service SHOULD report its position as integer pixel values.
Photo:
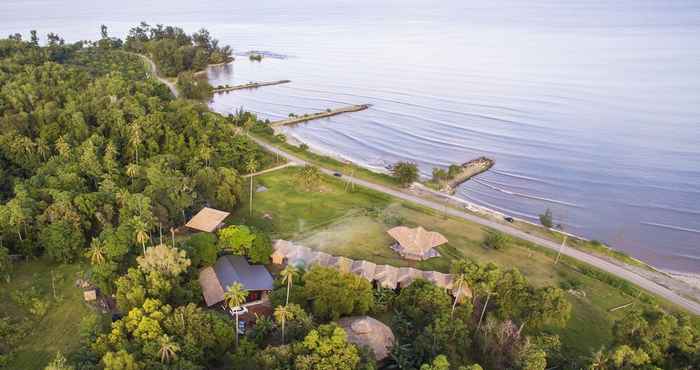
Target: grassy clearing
(55, 331)
(354, 224)
(384, 179)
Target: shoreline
(691, 279)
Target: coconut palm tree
(234, 297)
(141, 233)
(251, 166)
(459, 281)
(205, 153)
(168, 349)
(96, 252)
(135, 138)
(282, 314)
(288, 274)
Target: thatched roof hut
(208, 220)
(322, 259)
(369, 332)
(416, 244)
(439, 279)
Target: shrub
(546, 219)
(261, 249)
(304, 147)
(571, 284)
(496, 240)
(405, 173)
(202, 249)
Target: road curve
(598, 262)
(154, 71)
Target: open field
(354, 224)
(58, 329)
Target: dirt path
(598, 262)
(154, 71)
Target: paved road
(598, 262)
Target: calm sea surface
(590, 108)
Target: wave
(527, 195)
(671, 227)
(523, 177)
(665, 208)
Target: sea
(590, 108)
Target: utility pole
(560, 249)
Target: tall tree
(251, 166)
(288, 274)
(235, 297)
(282, 314)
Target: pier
(327, 113)
(249, 85)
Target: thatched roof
(211, 288)
(343, 264)
(322, 259)
(439, 279)
(407, 275)
(90, 295)
(386, 276)
(416, 241)
(369, 332)
(208, 219)
(363, 268)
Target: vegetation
(174, 51)
(96, 157)
(546, 219)
(193, 87)
(405, 173)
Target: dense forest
(97, 159)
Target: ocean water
(590, 108)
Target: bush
(546, 219)
(261, 249)
(304, 147)
(202, 249)
(571, 284)
(405, 173)
(496, 240)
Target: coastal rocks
(468, 170)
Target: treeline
(95, 155)
(174, 51)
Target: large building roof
(418, 240)
(208, 219)
(228, 270)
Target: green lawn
(354, 224)
(58, 329)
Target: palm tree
(96, 252)
(459, 281)
(251, 166)
(141, 233)
(205, 153)
(234, 297)
(168, 349)
(132, 170)
(135, 138)
(288, 274)
(309, 178)
(282, 314)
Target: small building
(416, 244)
(207, 220)
(256, 280)
(366, 331)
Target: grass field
(354, 224)
(55, 331)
